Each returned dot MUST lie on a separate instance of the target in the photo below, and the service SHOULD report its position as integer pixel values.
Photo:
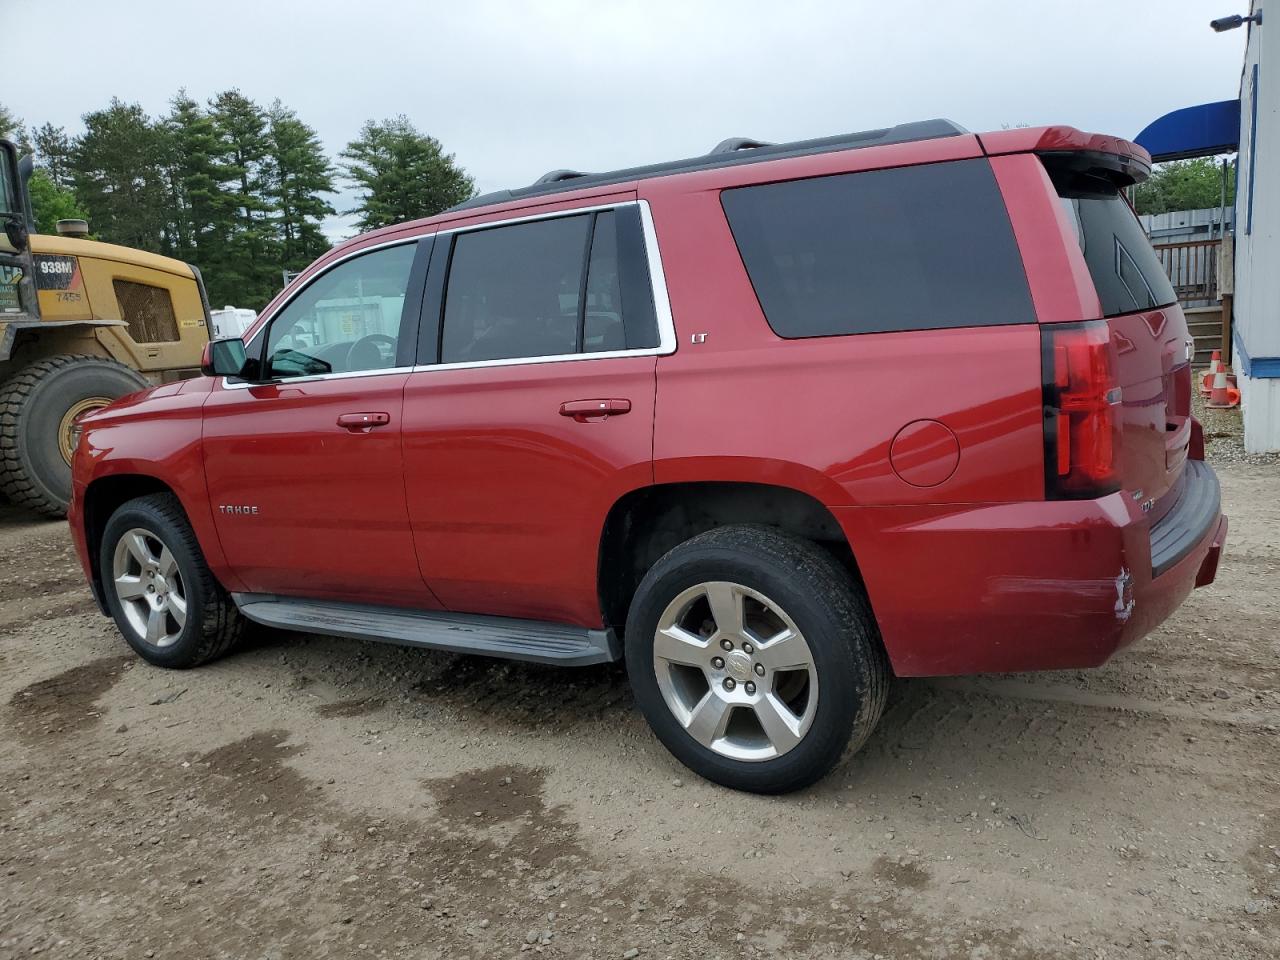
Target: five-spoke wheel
(735, 671)
(755, 658)
(147, 581)
(158, 587)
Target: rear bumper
(1031, 586)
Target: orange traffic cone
(1215, 364)
(1222, 395)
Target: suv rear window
(1126, 271)
(911, 248)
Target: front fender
(155, 436)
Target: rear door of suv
(531, 410)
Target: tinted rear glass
(912, 248)
(1125, 270)
(513, 291)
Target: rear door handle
(363, 421)
(584, 410)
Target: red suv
(774, 424)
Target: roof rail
(737, 143)
(555, 176)
(728, 153)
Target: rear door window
(347, 320)
(549, 288)
(910, 248)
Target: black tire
(213, 625)
(33, 473)
(831, 612)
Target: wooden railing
(1192, 266)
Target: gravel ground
(311, 797)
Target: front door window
(347, 321)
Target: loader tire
(37, 406)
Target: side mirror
(223, 358)
(15, 231)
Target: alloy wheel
(149, 586)
(735, 671)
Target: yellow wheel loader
(82, 323)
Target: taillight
(1081, 411)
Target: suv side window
(545, 288)
(348, 320)
(908, 248)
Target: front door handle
(585, 410)
(363, 421)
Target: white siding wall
(1258, 247)
(1257, 304)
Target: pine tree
(118, 171)
(201, 210)
(403, 174)
(298, 174)
(53, 153)
(11, 127)
(243, 271)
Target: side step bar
(529, 640)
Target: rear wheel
(755, 658)
(159, 590)
(39, 406)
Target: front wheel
(160, 592)
(755, 658)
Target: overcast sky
(517, 89)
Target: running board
(530, 640)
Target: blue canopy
(1200, 131)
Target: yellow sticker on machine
(193, 321)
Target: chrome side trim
(545, 215)
(657, 282)
(227, 384)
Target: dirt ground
(312, 797)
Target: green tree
(51, 202)
(200, 209)
(118, 172)
(298, 175)
(11, 127)
(401, 174)
(53, 153)
(1184, 185)
(242, 266)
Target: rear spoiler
(1120, 161)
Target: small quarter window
(602, 327)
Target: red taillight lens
(1081, 411)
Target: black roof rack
(727, 153)
(556, 176)
(734, 144)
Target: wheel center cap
(738, 665)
